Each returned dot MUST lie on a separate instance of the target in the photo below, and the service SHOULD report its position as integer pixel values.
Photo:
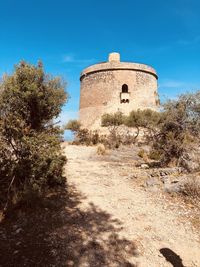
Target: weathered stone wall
(101, 88)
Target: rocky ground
(158, 224)
(113, 213)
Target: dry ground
(105, 218)
(158, 227)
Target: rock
(18, 230)
(152, 182)
(174, 181)
(174, 188)
(154, 189)
(155, 174)
(144, 166)
(162, 173)
(134, 176)
(164, 179)
(191, 166)
(70, 263)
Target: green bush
(172, 133)
(73, 125)
(30, 154)
(112, 120)
(178, 131)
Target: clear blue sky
(69, 35)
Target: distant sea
(68, 135)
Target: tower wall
(102, 88)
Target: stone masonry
(116, 86)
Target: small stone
(70, 263)
(18, 230)
(173, 188)
(164, 179)
(174, 181)
(152, 182)
(144, 166)
(134, 176)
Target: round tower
(114, 86)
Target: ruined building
(114, 86)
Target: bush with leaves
(146, 119)
(82, 135)
(173, 133)
(113, 123)
(73, 125)
(30, 154)
(117, 124)
(179, 133)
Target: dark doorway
(124, 88)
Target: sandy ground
(159, 234)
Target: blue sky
(69, 35)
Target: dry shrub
(192, 187)
(143, 154)
(83, 136)
(154, 155)
(101, 150)
(191, 159)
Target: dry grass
(143, 154)
(192, 186)
(101, 150)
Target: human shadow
(172, 257)
(60, 233)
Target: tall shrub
(30, 154)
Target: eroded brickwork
(101, 90)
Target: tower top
(114, 57)
(114, 63)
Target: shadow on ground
(172, 257)
(59, 233)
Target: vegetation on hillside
(82, 135)
(172, 133)
(178, 133)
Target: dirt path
(160, 234)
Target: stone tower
(114, 86)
